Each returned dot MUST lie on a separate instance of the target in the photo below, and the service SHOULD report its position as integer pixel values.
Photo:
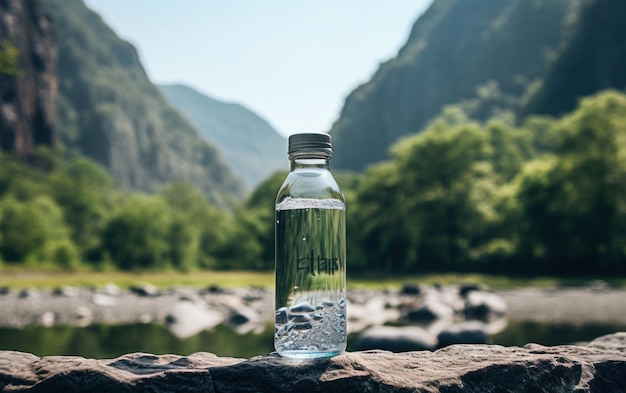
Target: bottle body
(310, 263)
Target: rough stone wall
(28, 97)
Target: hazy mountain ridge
(111, 112)
(455, 47)
(247, 142)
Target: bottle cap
(309, 142)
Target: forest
(538, 195)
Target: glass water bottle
(310, 254)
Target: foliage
(544, 197)
(82, 189)
(33, 231)
(70, 215)
(428, 207)
(136, 235)
(460, 196)
(251, 244)
(574, 205)
(197, 229)
(9, 57)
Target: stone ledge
(599, 366)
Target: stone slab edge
(599, 366)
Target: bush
(135, 237)
(28, 229)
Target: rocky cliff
(28, 80)
(599, 366)
(455, 48)
(594, 59)
(110, 112)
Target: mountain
(109, 111)
(455, 48)
(28, 79)
(248, 143)
(594, 59)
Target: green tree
(186, 210)
(379, 227)
(538, 217)
(83, 190)
(510, 148)
(428, 208)
(136, 236)
(251, 245)
(33, 231)
(544, 134)
(197, 229)
(574, 205)
(20, 181)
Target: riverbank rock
(472, 332)
(188, 318)
(396, 339)
(599, 366)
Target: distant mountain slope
(594, 59)
(454, 47)
(110, 112)
(248, 143)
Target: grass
(20, 278)
(491, 281)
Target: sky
(291, 62)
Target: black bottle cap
(308, 142)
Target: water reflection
(521, 333)
(107, 341)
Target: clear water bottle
(310, 254)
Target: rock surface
(185, 311)
(188, 310)
(110, 112)
(599, 366)
(28, 96)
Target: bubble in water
(321, 330)
(305, 203)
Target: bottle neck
(309, 160)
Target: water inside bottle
(310, 278)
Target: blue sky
(292, 62)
